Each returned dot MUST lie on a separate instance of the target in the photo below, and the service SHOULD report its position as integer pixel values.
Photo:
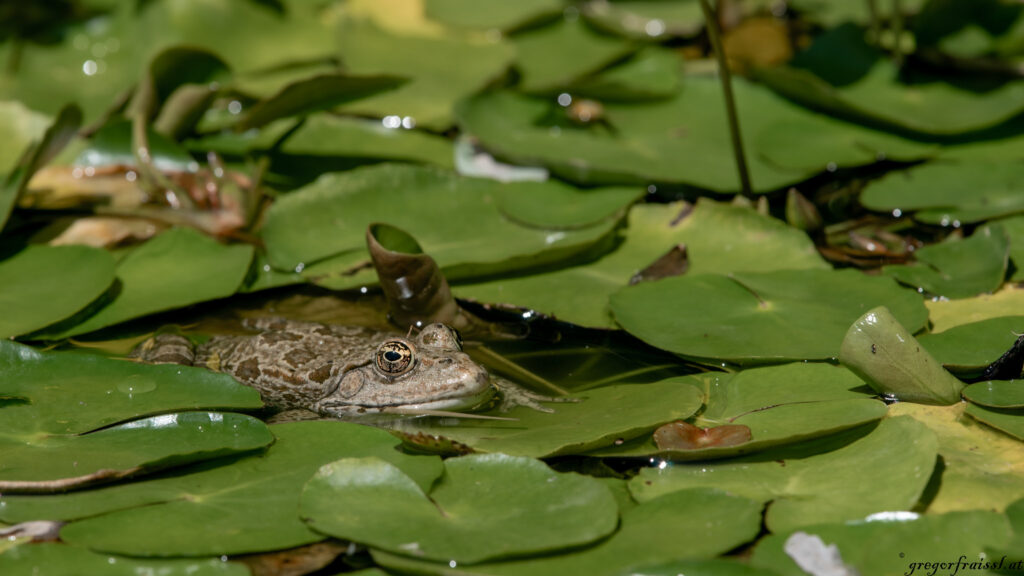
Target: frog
(337, 371)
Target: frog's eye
(395, 357)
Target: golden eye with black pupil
(394, 358)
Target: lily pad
(748, 318)
(248, 506)
(602, 416)
(34, 462)
(42, 285)
(175, 269)
(1008, 421)
(552, 57)
(19, 127)
(1008, 301)
(886, 469)
(982, 468)
(484, 507)
(646, 141)
(650, 74)
(867, 88)
(73, 393)
(949, 193)
(490, 14)
(712, 522)
(646, 19)
(63, 560)
(831, 13)
(1015, 230)
(719, 238)
(440, 70)
(779, 404)
(465, 224)
(969, 348)
(997, 393)
(897, 545)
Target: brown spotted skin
(332, 369)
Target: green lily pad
(866, 88)
(896, 546)
(247, 506)
(1014, 228)
(63, 560)
(646, 19)
(50, 463)
(997, 393)
(983, 468)
(715, 567)
(949, 193)
(73, 393)
(469, 226)
(712, 522)
(484, 507)
(831, 13)
(1008, 421)
(602, 417)
(646, 141)
(970, 348)
(19, 127)
(41, 285)
(490, 14)
(884, 470)
(112, 145)
(759, 317)
(779, 404)
(551, 58)
(946, 314)
(719, 238)
(1012, 551)
(175, 269)
(441, 71)
(966, 29)
(650, 74)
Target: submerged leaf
(685, 436)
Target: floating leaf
(652, 73)
(997, 393)
(759, 317)
(177, 268)
(646, 20)
(867, 88)
(969, 348)
(63, 560)
(719, 238)
(19, 127)
(895, 545)
(490, 14)
(57, 463)
(213, 509)
(889, 360)
(946, 314)
(314, 94)
(440, 70)
(779, 405)
(647, 139)
(465, 224)
(73, 393)
(885, 470)
(683, 436)
(552, 57)
(602, 416)
(1009, 421)
(1014, 228)
(484, 507)
(982, 468)
(713, 522)
(41, 285)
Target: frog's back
(292, 364)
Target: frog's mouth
(463, 403)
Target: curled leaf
(891, 361)
(681, 435)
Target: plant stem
(875, 22)
(730, 104)
(897, 33)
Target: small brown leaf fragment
(681, 435)
(672, 263)
(295, 561)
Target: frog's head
(429, 372)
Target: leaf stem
(714, 35)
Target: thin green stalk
(730, 104)
(875, 22)
(897, 33)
